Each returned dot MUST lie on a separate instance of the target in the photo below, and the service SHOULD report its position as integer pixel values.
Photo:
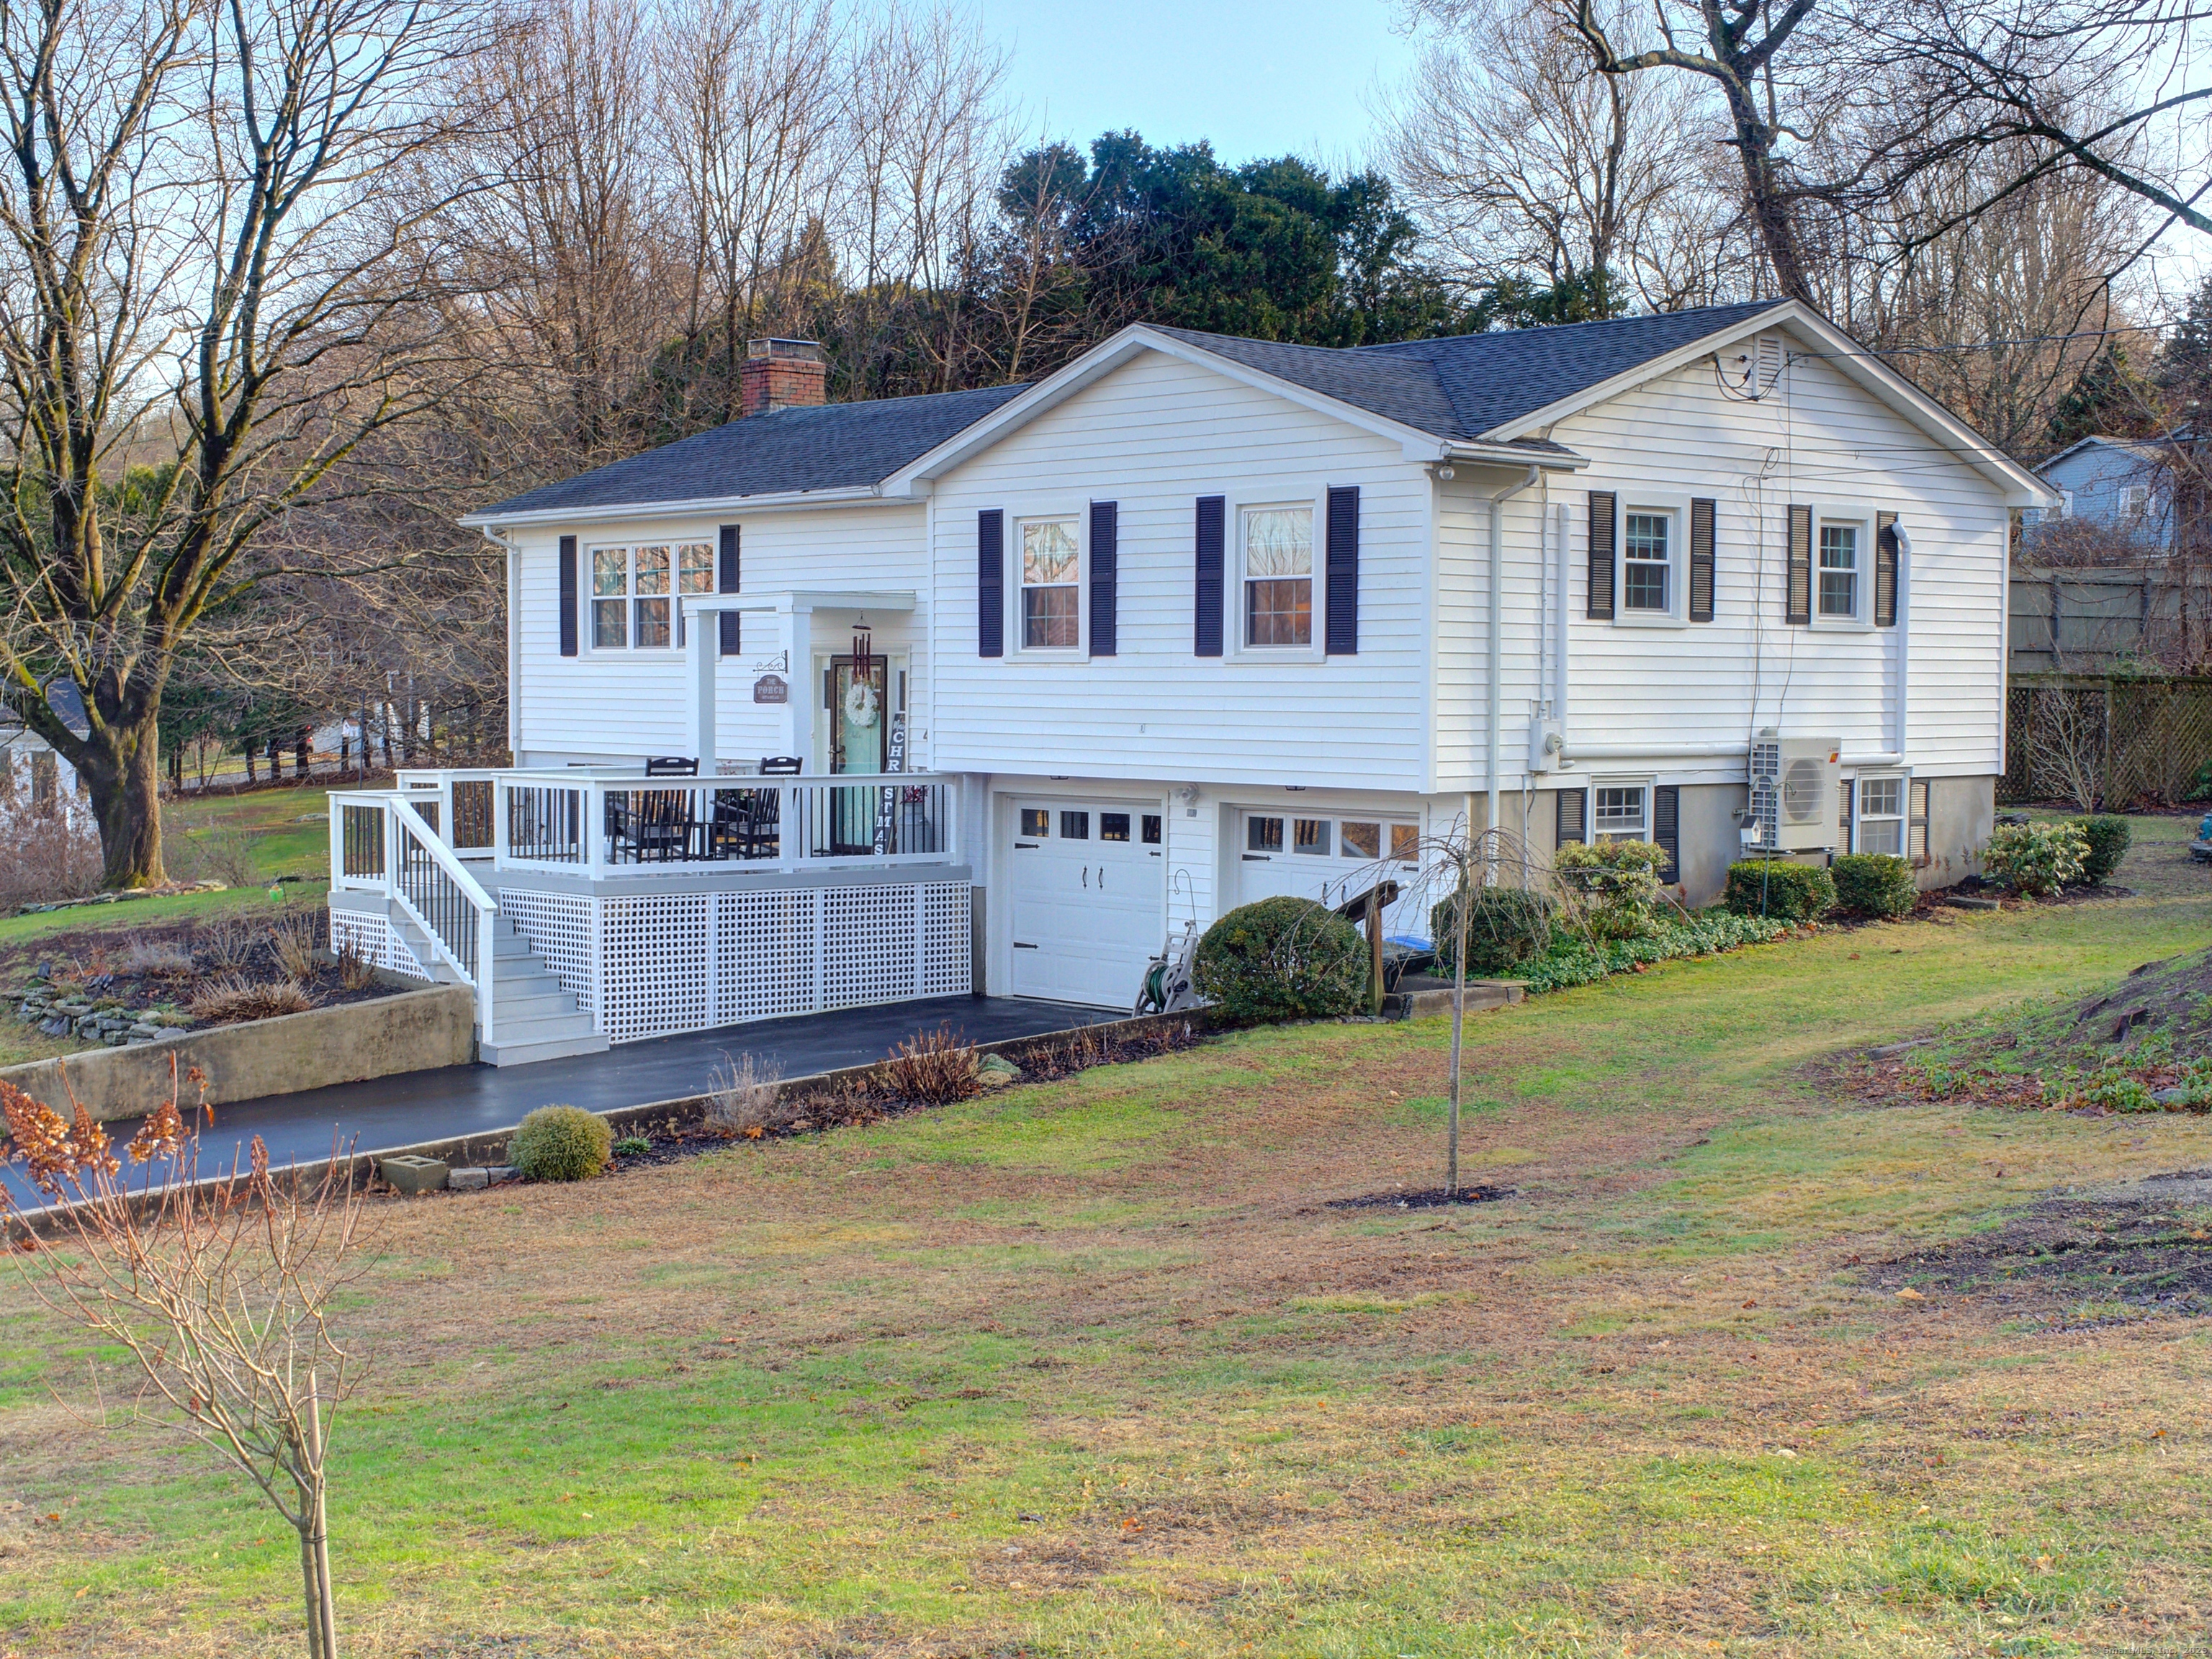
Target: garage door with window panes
(1088, 899)
(1332, 859)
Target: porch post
(798, 654)
(704, 641)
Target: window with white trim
(1838, 574)
(1052, 595)
(2134, 500)
(1879, 823)
(635, 592)
(1620, 811)
(1278, 584)
(1647, 543)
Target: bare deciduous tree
(207, 293)
(1519, 156)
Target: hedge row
(1577, 963)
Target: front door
(858, 692)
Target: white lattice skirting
(688, 962)
(376, 940)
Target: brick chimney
(783, 375)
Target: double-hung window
(1051, 595)
(1620, 811)
(635, 592)
(1880, 825)
(1840, 552)
(1646, 562)
(1278, 576)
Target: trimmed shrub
(1873, 884)
(1281, 958)
(561, 1143)
(1619, 884)
(2107, 836)
(1505, 927)
(2036, 858)
(1779, 889)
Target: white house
(1192, 621)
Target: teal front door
(859, 718)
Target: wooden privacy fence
(2107, 741)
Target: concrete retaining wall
(409, 1032)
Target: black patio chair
(782, 766)
(671, 766)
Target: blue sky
(1296, 76)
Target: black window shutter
(568, 596)
(1105, 574)
(1844, 787)
(727, 574)
(1701, 560)
(1571, 803)
(1343, 591)
(1884, 570)
(1205, 630)
(991, 583)
(1666, 829)
(1916, 826)
(1604, 505)
(1798, 611)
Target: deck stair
(534, 1016)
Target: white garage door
(1333, 859)
(1087, 887)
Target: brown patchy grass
(797, 1397)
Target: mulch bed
(1425, 1198)
(873, 1098)
(94, 962)
(2146, 1246)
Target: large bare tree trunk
(125, 776)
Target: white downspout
(1904, 602)
(1493, 802)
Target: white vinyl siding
(631, 703)
(1153, 436)
(1640, 689)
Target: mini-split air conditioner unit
(1794, 790)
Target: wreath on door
(860, 704)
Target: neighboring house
(1194, 621)
(2115, 484)
(36, 778)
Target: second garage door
(1087, 887)
(1332, 858)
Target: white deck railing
(604, 822)
(380, 842)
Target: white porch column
(702, 640)
(798, 629)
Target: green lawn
(1087, 1369)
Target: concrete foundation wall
(410, 1032)
(1962, 812)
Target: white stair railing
(410, 864)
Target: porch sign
(771, 688)
(887, 799)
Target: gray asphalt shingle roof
(835, 446)
(1472, 384)
(1462, 387)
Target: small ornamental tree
(221, 1295)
